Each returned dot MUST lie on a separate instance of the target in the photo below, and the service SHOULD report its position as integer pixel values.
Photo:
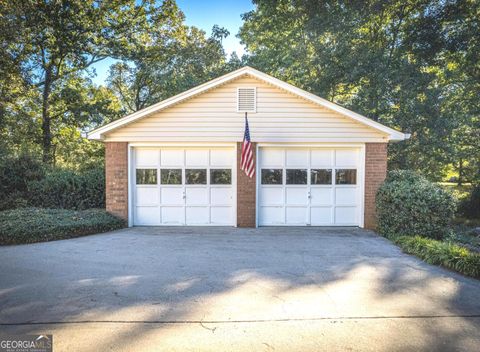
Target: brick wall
(246, 194)
(116, 178)
(375, 173)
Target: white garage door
(183, 186)
(314, 186)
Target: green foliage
(412, 65)
(470, 206)
(31, 225)
(47, 99)
(48, 48)
(26, 181)
(15, 174)
(177, 60)
(408, 204)
(446, 254)
(67, 189)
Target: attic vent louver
(246, 99)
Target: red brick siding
(375, 173)
(246, 194)
(116, 178)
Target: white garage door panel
(273, 158)
(172, 157)
(182, 204)
(197, 196)
(321, 216)
(196, 157)
(346, 216)
(147, 196)
(346, 196)
(328, 202)
(271, 215)
(221, 215)
(296, 157)
(172, 196)
(147, 157)
(220, 196)
(296, 216)
(221, 158)
(271, 195)
(296, 196)
(321, 196)
(346, 157)
(148, 216)
(173, 215)
(197, 216)
(321, 158)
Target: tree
(175, 57)
(389, 60)
(219, 33)
(61, 38)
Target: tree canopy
(411, 65)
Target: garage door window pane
(146, 176)
(346, 176)
(171, 176)
(296, 176)
(272, 176)
(321, 177)
(196, 176)
(220, 176)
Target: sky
(202, 14)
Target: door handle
(309, 195)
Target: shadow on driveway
(227, 288)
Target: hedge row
(68, 189)
(28, 225)
(27, 182)
(446, 254)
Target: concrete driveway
(268, 289)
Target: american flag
(246, 161)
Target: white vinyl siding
(280, 117)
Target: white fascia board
(393, 135)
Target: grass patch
(29, 225)
(446, 254)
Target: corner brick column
(116, 178)
(375, 173)
(246, 193)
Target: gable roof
(98, 134)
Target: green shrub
(470, 206)
(408, 204)
(30, 225)
(26, 181)
(67, 189)
(15, 174)
(446, 254)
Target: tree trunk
(46, 126)
(460, 172)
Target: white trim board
(99, 133)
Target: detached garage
(178, 162)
